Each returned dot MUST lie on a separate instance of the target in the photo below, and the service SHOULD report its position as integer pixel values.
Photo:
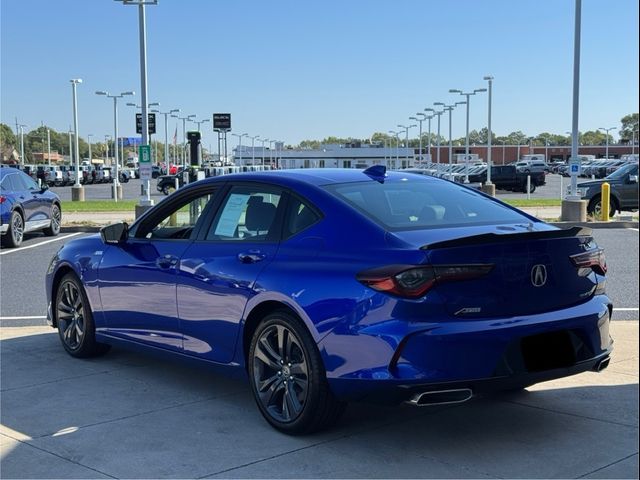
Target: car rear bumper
(480, 355)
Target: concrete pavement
(129, 415)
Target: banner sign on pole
(144, 162)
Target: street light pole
(263, 153)
(438, 140)
(146, 201)
(240, 143)
(21, 126)
(607, 130)
(49, 145)
(166, 133)
(253, 148)
(466, 150)
(419, 120)
(489, 162)
(429, 118)
(406, 131)
(117, 190)
(77, 191)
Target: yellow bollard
(605, 202)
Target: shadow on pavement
(134, 415)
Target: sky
(292, 70)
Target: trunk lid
(532, 269)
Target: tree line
(36, 140)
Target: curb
(80, 228)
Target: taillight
(411, 281)
(593, 259)
(2, 198)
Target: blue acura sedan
(329, 286)
(26, 207)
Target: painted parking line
(14, 250)
(624, 309)
(634, 229)
(32, 317)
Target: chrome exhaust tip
(602, 364)
(441, 397)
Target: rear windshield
(417, 203)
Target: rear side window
(300, 216)
(417, 203)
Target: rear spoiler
(509, 237)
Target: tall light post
(253, 148)
(240, 135)
(490, 190)
(106, 148)
(419, 120)
(448, 108)
(397, 135)
(438, 140)
(271, 153)
(184, 136)
(503, 142)
(144, 202)
(466, 150)
(77, 191)
(117, 189)
(634, 134)
(49, 145)
(429, 118)
(406, 133)
(607, 130)
(263, 140)
(166, 133)
(89, 135)
(21, 129)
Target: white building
(327, 156)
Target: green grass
(99, 206)
(538, 202)
(129, 205)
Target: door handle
(167, 261)
(251, 257)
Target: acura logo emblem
(538, 275)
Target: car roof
(313, 176)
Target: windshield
(419, 202)
(623, 171)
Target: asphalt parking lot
(136, 416)
(132, 190)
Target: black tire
(75, 320)
(282, 351)
(56, 220)
(15, 233)
(167, 189)
(594, 208)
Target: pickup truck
(623, 191)
(507, 177)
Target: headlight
(582, 191)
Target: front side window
(180, 222)
(246, 214)
(415, 203)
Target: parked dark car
(624, 191)
(507, 177)
(328, 286)
(26, 207)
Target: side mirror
(633, 178)
(115, 234)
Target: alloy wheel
(56, 218)
(280, 373)
(17, 228)
(70, 315)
